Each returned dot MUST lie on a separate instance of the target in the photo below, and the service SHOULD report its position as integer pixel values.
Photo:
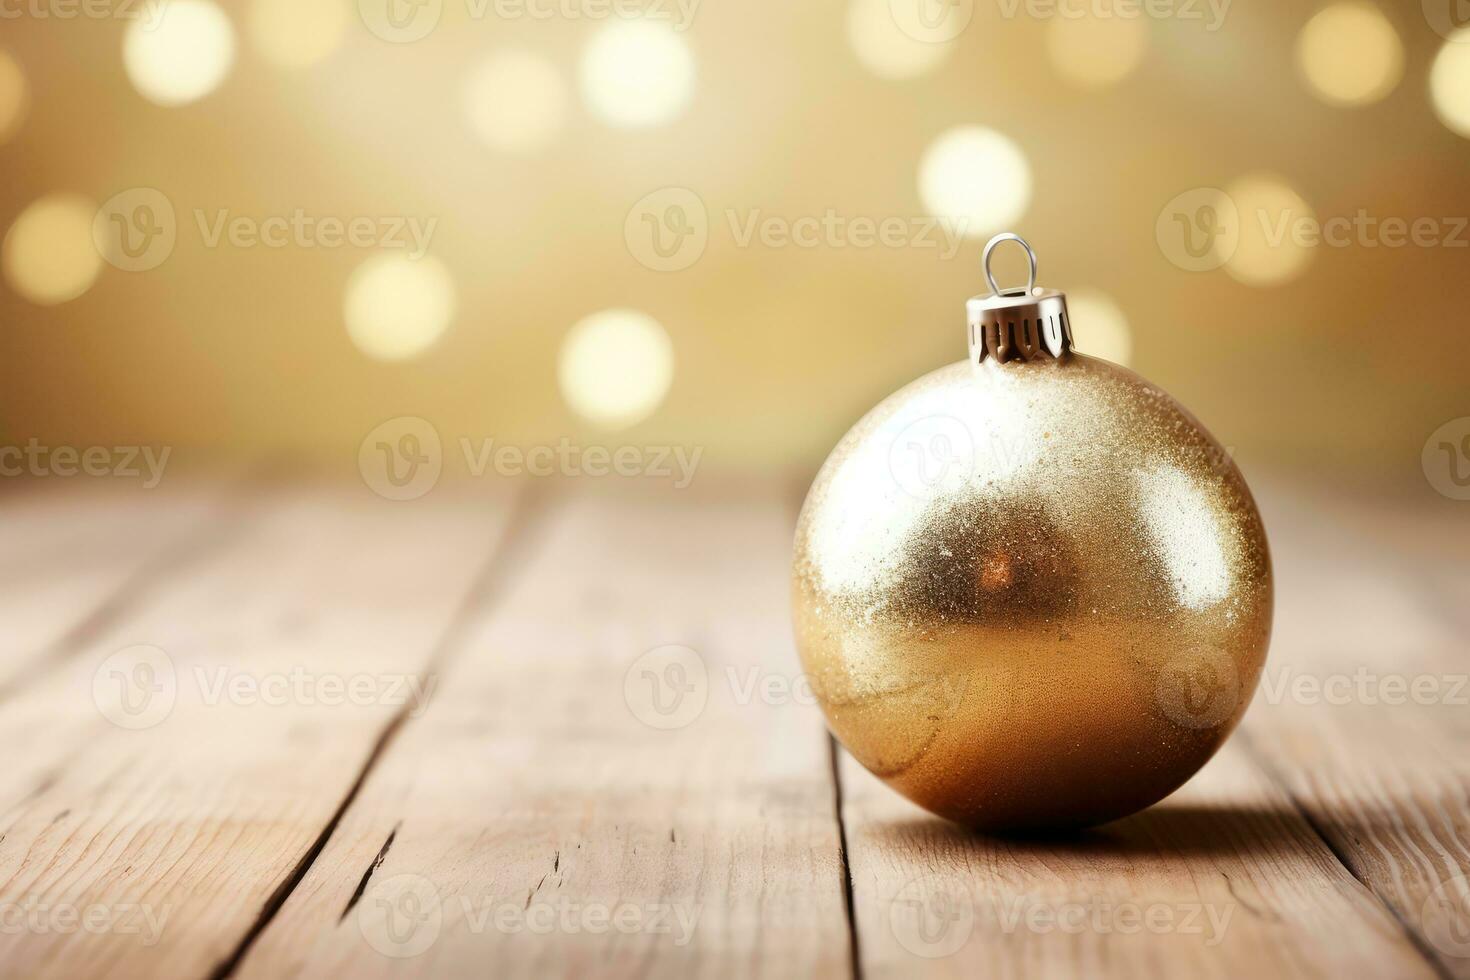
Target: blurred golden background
(241, 226)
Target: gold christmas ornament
(1031, 591)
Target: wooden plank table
(277, 727)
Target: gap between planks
(1270, 773)
(796, 498)
(1274, 775)
(538, 690)
(527, 511)
(854, 944)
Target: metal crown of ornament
(1020, 324)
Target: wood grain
(76, 552)
(550, 817)
(1225, 879)
(532, 809)
(1330, 825)
(173, 838)
(1363, 715)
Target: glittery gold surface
(1032, 594)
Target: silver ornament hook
(1030, 258)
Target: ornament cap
(1020, 324)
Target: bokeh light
(297, 33)
(397, 307)
(884, 48)
(515, 101)
(975, 176)
(616, 367)
(789, 121)
(1350, 54)
(1099, 327)
(1276, 226)
(1449, 82)
(48, 255)
(181, 55)
(637, 73)
(15, 95)
(1095, 51)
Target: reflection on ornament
(1031, 590)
